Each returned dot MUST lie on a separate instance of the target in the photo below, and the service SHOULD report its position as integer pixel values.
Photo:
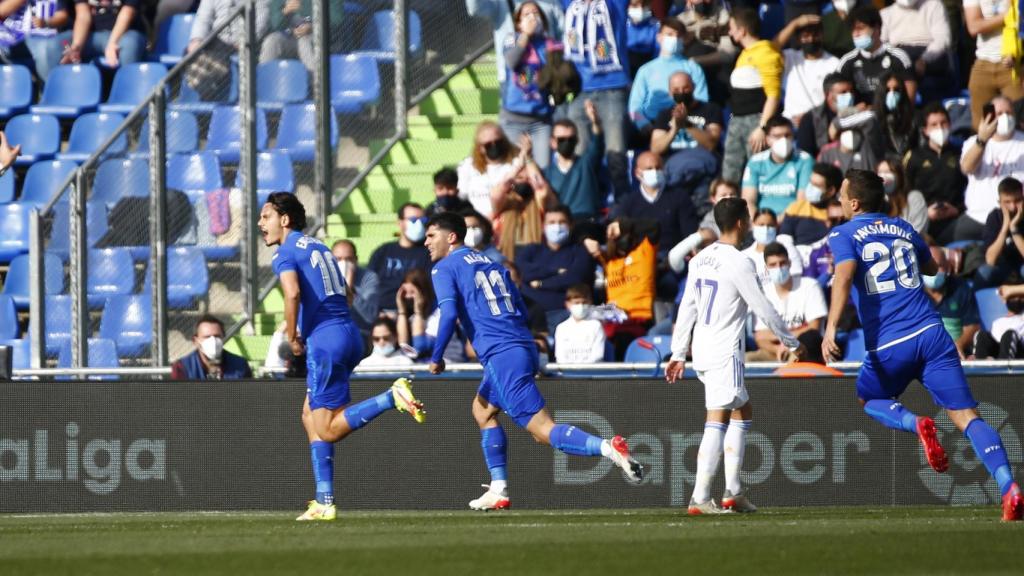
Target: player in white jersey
(720, 288)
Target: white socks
(606, 449)
(735, 437)
(499, 487)
(707, 460)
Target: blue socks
(359, 415)
(494, 445)
(989, 448)
(892, 414)
(323, 470)
(572, 440)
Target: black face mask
(495, 150)
(566, 146)
(704, 8)
(683, 98)
(812, 47)
(1015, 305)
(447, 202)
(524, 190)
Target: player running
(720, 286)
(884, 259)
(314, 292)
(480, 294)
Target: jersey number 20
(487, 283)
(902, 257)
(328, 266)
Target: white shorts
(723, 386)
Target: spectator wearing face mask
(492, 160)
(992, 74)
(777, 176)
(805, 68)
(386, 352)
(870, 59)
(897, 121)
(800, 303)
(500, 15)
(641, 34)
(419, 316)
(361, 284)
(707, 232)
(391, 261)
(707, 43)
(765, 231)
(806, 219)
(1004, 238)
(519, 202)
(580, 339)
(903, 202)
(920, 28)
(446, 193)
(852, 149)
(480, 235)
(650, 93)
(209, 360)
(1006, 340)
(814, 131)
(550, 267)
(576, 179)
(954, 300)
(996, 152)
(525, 108)
(933, 168)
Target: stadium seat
(9, 328)
(132, 85)
(18, 278)
(57, 323)
(855, 351)
(128, 321)
(13, 232)
(378, 39)
(194, 174)
(172, 39)
(43, 181)
(102, 354)
(70, 91)
(38, 135)
(7, 187)
(118, 178)
(60, 233)
(187, 276)
(89, 132)
(296, 132)
(990, 306)
(15, 90)
(224, 137)
(22, 353)
(643, 350)
(281, 82)
(111, 273)
(182, 134)
(355, 83)
(274, 173)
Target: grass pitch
(922, 540)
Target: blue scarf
(589, 36)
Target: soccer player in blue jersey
(881, 259)
(315, 307)
(479, 293)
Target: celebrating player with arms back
(314, 288)
(883, 259)
(481, 295)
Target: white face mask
(764, 234)
(211, 347)
(888, 182)
(1004, 125)
(652, 178)
(638, 14)
(850, 140)
(906, 3)
(669, 46)
(384, 349)
(474, 236)
(844, 100)
(580, 311)
(841, 5)
(938, 136)
(782, 147)
(813, 193)
(343, 267)
(415, 231)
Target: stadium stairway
(441, 133)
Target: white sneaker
(737, 502)
(620, 456)
(491, 500)
(706, 507)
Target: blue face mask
(934, 282)
(844, 100)
(764, 234)
(813, 193)
(415, 229)
(892, 99)
(862, 42)
(556, 234)
(779, 276)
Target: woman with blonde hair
(519, 202)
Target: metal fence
(303, 104)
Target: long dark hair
(898, 197)
(898, 122)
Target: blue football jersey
(491, 310)
(321, 284)
(887, 284)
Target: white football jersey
(720, 289)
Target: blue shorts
(509, 384)
(332, 351)
(930, 357)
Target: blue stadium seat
(296, 133)
(43, 181)
(38, 135)
(89, 132)
(855, 350)
(172, 39)
(132, 84)
(187, 276)
(990, 306)
(224, 137)
(355, 83)
(9, 328)
(194, 174)
(128, 321)
(95, 227)
(643, 350)
(16, 285)
(70, 91)
(111, 273)
(119, 178)
(182, 134)
(281, 82)
(57, 323)
(274, 173)
(7, 187)
(15, 90)
(773, 19)
(378, 39)
(13, 231)
(22, 353)
(102, 354)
